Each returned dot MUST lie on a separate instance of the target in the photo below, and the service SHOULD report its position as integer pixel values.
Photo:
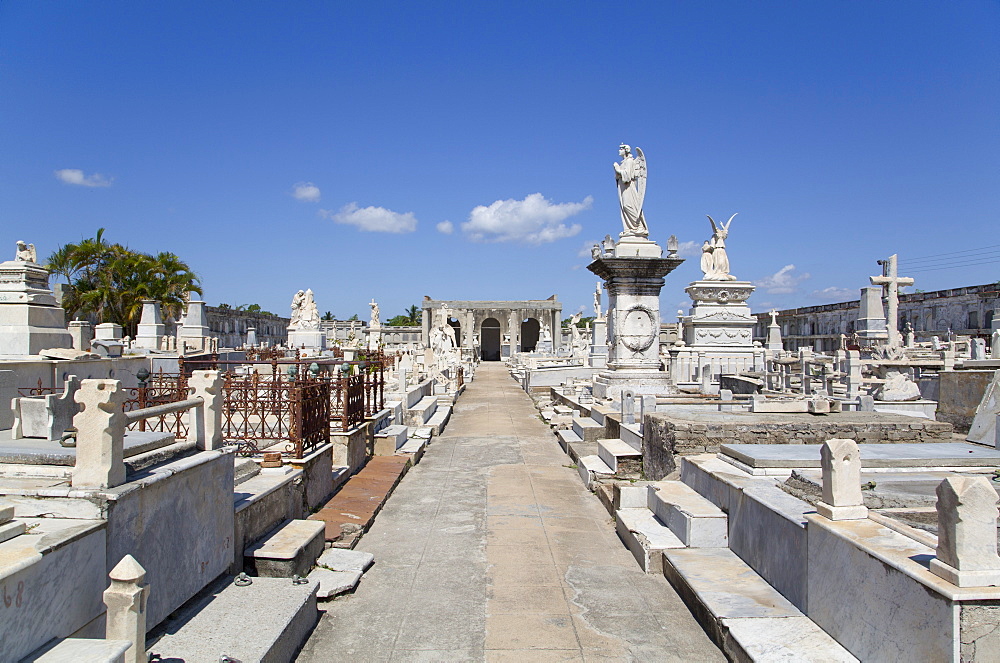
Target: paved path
(491, 549)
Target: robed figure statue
(630, 175)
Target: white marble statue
(25, 252)
(597, 301)
(305, 315)
(375, 321)
(714, 259)
(298, 300)
(630, 176)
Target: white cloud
(445, 227)
(782, 282)
(585, 250)
(533, 220)
(306, 192)
(372, 219)
(76, 176)
(689, 249)
(835, 294)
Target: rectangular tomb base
(891, 456)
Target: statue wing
(640, 183)
(730, 221)
(715, 230)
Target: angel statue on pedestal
(714, 260)
(630, 175)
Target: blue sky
(326, 145)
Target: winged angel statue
(630, 175)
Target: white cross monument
(890, 282)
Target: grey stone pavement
(492, 549)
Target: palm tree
(110, 281)
(414, 314)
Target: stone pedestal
(311, 339)
(719, 328)
(195, 322)
(633, 279)
(151, 328)
(871, 316)
(30, 318)
(82, 334)
(774, 338)
(544, 347)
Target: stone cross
(967, 532)
(205, 422)
(100, 437)
(841, 462)
(890, 282)
(126, 601)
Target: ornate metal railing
(39, 390)
(159, 389)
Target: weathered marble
(967, 532)
(100, 425)
(53, 579)
(126, 601)
(841, 464)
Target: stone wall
(230, 326)
(665, 437)
(959, 393)
(967, 311)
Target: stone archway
(530, 330)
(457, 326)
(489, 339)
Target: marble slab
(926, 454)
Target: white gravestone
(983, 429)
(841, 463)
(967, 532)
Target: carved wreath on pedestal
(637, 330)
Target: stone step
(74, 650)
(290, 549)
(339, 571)
(414, 448)
(743, 614)
(267, 620)
(440, 418)
(619, 456)
(590, 468)
(696, 521)
(588, 429)
(645, 537)
(421, 411)
(390, 439)
(630, 435)
(565, 437)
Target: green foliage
(414, 315)
(327, 316)
(353, 317)
(399, 321)
(110, 281)
(582, 324)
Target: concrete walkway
(491, 549)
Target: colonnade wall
(509, 314)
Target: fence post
(126, 601)
(100, 437)
(205, 422)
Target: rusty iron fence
(39, 390)
(159, 388)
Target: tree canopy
(110, 281)
(410, 318)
